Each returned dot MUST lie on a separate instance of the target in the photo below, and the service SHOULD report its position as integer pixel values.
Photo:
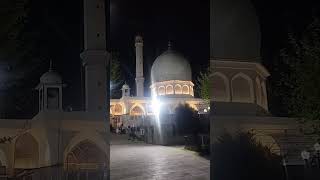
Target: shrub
(240, 157)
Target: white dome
(170, 65)
(51, 77)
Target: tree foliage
(187, 120)
(299, 82)
(240, 157)
(116, 76)
(13, 14)
(203, 85)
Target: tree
(116, 77)
(187, 121)
(203, 85)
(12, 17)
(299, 82)
(241, 157)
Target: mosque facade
(171, 85)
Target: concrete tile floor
(138, 161)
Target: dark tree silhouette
(187, 120)
(240, 157)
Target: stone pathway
(138, 161)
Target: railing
(200, 143)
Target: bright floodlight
(156, 106)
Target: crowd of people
(135, 133)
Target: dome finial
(50, 67)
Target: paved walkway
(138, 161)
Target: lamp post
(312, 160)
(305, 156)
(284, 163)
(317, 153)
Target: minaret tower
(139, 66)
(95, 56)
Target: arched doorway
(26, 154)
(137, 111)
(85, 161)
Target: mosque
(171, 85)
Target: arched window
(185, 89)
(26, 155)
(220, 87)
(161, 90)
(118, 109)
(169, 89)
(137, 111)
(177, 89)
(258, 91)
(242, 88)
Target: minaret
(95, 56)
(139, 66)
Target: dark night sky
(184, 23)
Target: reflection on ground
(139, 161)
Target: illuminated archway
(185, 89)
(137, 110)
(85, 159)
(118, 110)
(169, 89)
(161, 90)
(177, 89)
(26, 154)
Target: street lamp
(317, 149)
(305, 156)
(314, 158)
(284, 163)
